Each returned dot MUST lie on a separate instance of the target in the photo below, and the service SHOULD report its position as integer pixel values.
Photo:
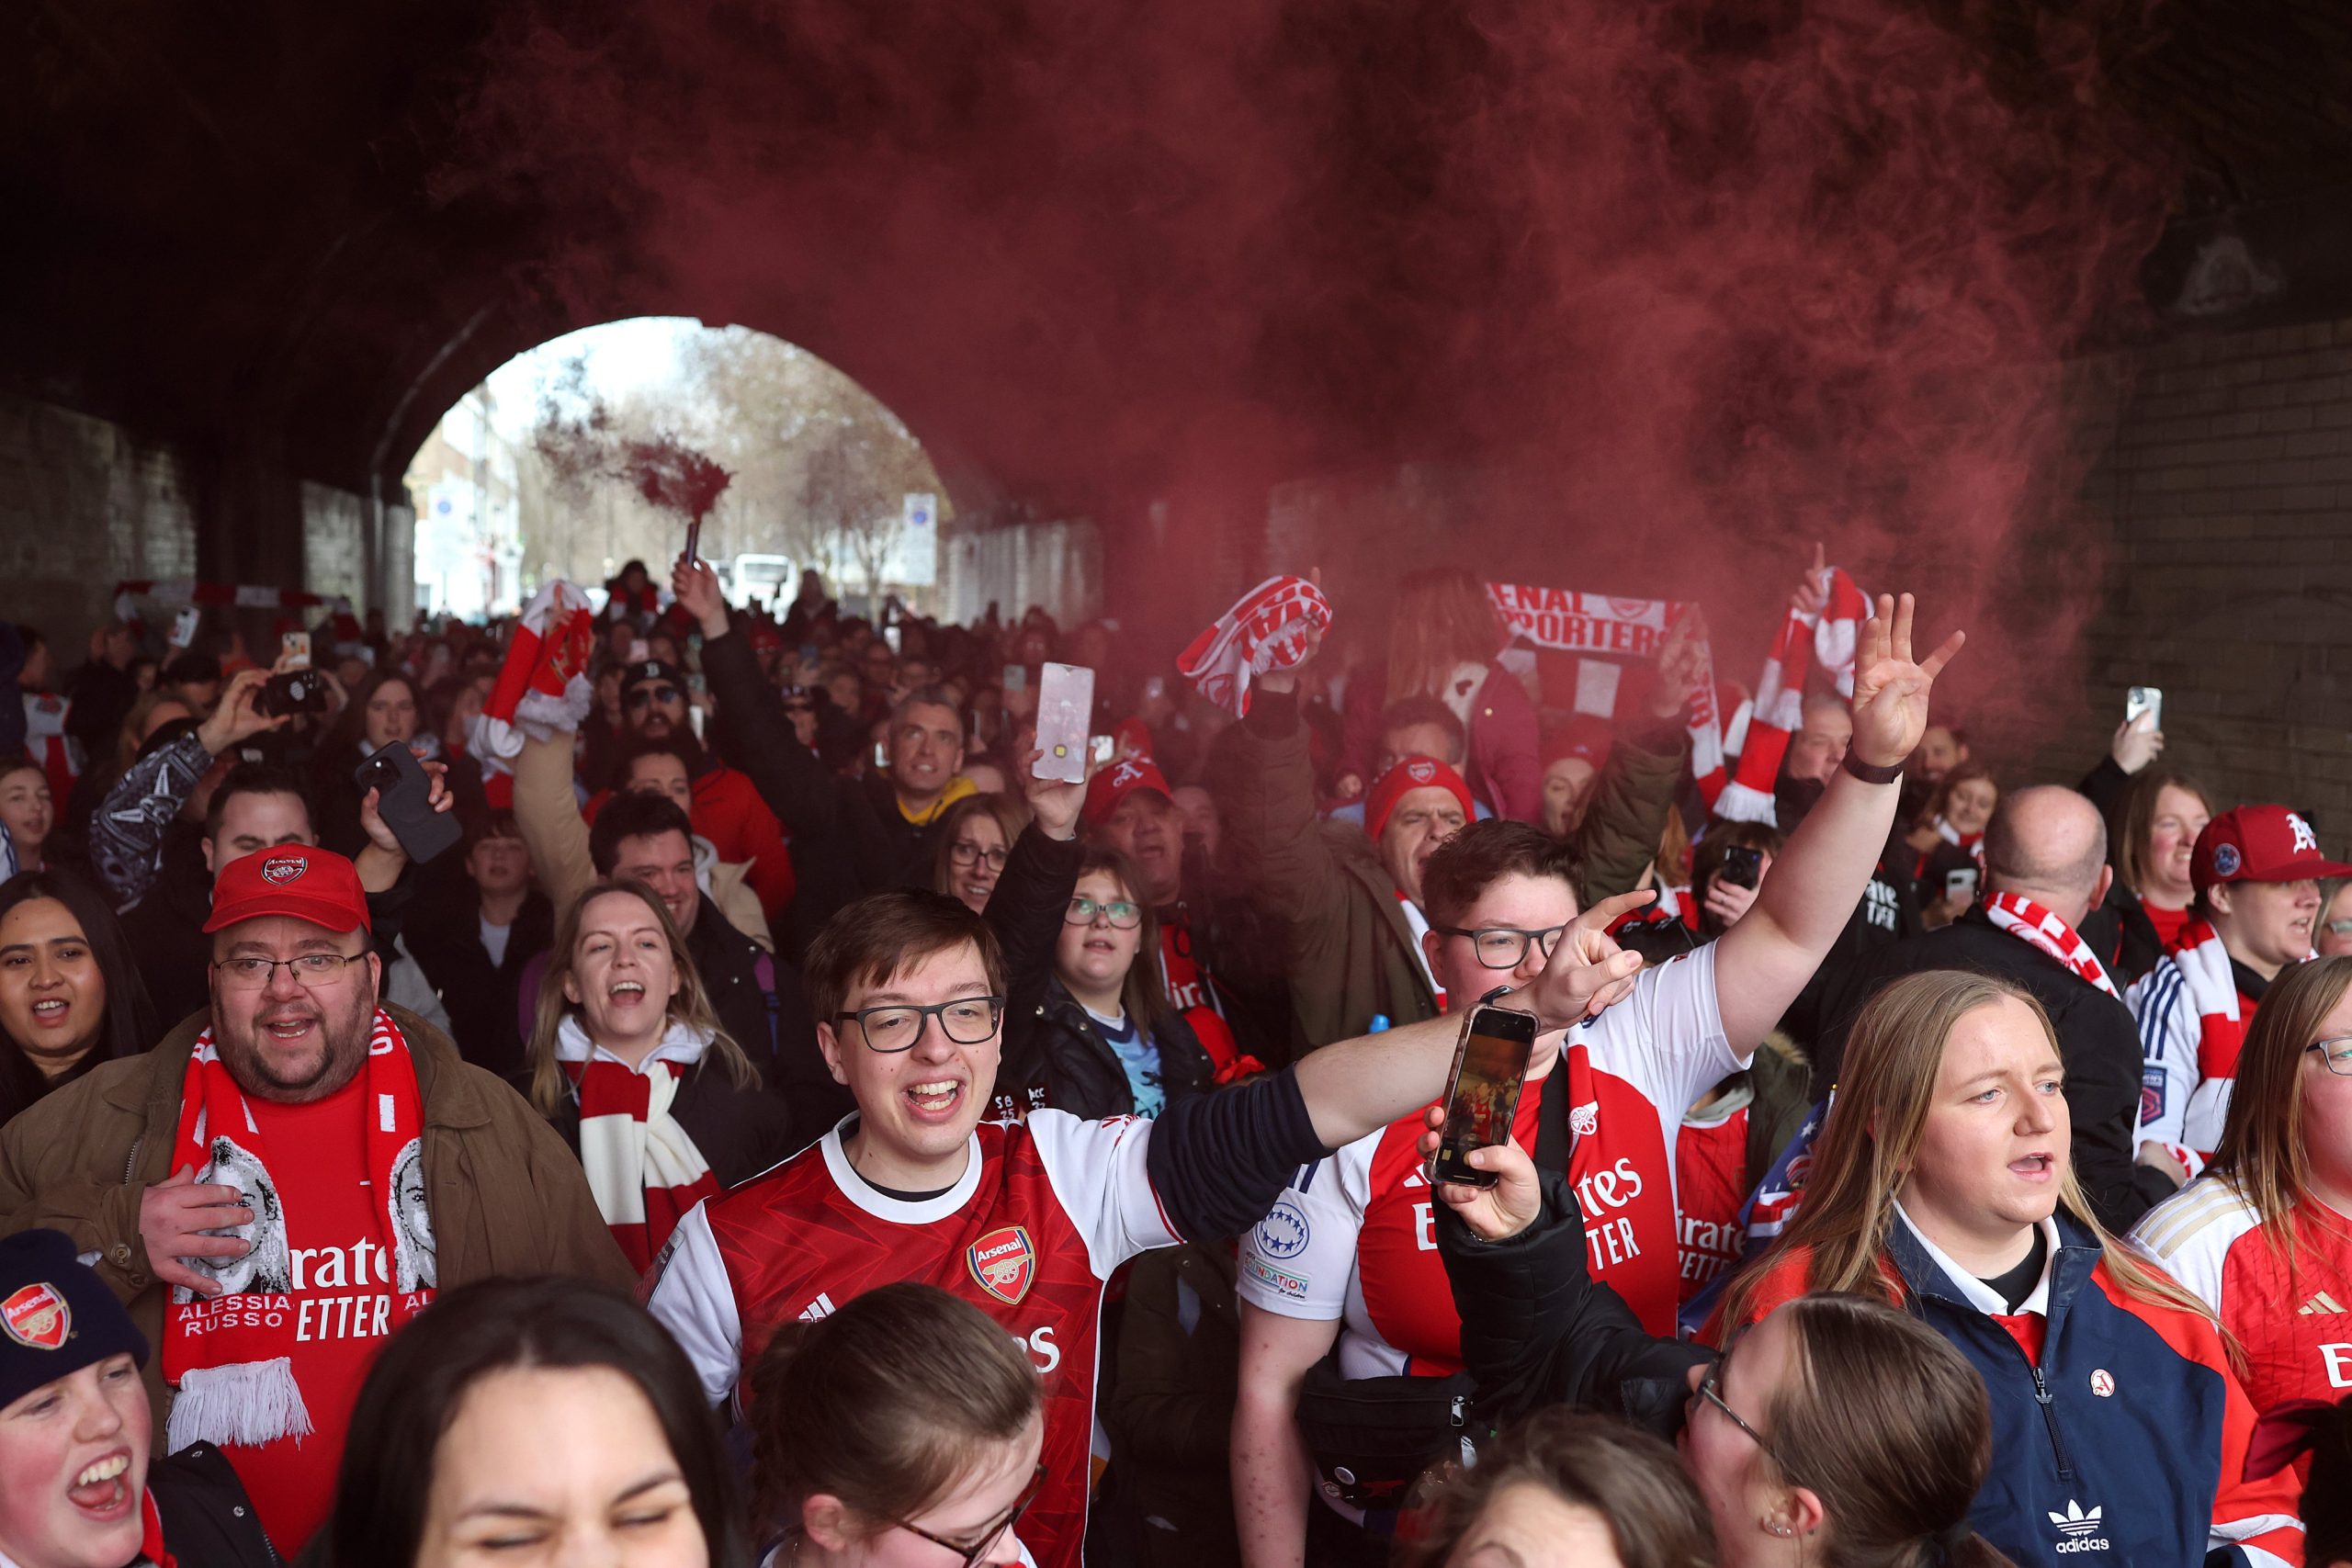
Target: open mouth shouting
(52, 1012)
(624, 997)
(933, 1101)
(101, 1490)
(2035, 1168)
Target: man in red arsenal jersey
(1025, 1220)
(1349, 1255)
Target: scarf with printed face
(642, 1167)
(234, 1373)
(2032, 924)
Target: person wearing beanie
(2255, 875)
(80, 1485)
(290, 1177)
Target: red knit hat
(2258, 843)
(1412, 774)
(1583, 737)
(300, 880)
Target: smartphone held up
(1065, 722)
(1482, 1092)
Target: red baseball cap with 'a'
(1120, 780)
(298, 880)
(2259, 843)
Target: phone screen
(1959, 884)
(1064, 716)
(1743, 865)
(1481, 1100)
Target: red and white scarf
(1830, 638)
(2037, 927)
(2213, 987)
(1267, 629)
(642, 1167)
(233, 1368)
(1608, 624)
(59, 754)
(543, 687)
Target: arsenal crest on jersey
(1004, 1263)
(36, 1317)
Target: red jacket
(730, 814)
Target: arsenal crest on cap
(1003, 1263)
(1421, 772)
(279, 870)
(36, 1317)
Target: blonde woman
(2265, 1236)
(629, 1063)
(1941, 1184)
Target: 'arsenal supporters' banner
(1582, 642)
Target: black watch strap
(1869, 774)
(1488, 1000)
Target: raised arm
(127, 832)
(548, 817)
(1265, 786)
(1764, 961)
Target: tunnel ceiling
(307, 227)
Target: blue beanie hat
(56, 1316)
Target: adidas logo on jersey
(822, 1307)
(2320, 1305)
(2079, 1530)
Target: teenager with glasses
(1941, 1183)
(903, 1430)
(1094, 1035)
(2265, 1236)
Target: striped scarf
(2037, 927)
(642, 1165)
(2213, 987)
(1778, 709)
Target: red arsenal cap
(310, 884)
(1120, 780)
(2259, 843)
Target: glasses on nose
(2335, 1054)
(970, 1555)
(312, 969)
(896, 1026)
(1122, 914)
(962, 851)
(642, 696)
(1505, 947)
(1710, 1390)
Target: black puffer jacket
(1054, 1057)
(209, 1522)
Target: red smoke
(579, 440)
(1659, 291)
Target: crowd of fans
(795, 1122)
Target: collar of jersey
(864, 1193)
(1973, 1290)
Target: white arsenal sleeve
(693, 1298)
(1299, 1258)
(1098, 1177)
(1667, 1038)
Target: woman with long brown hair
(628, 1061)
(2155, 837)
(1941, 1184)
(2265, 1236)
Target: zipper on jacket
(130, 1166)
(2048, 1418)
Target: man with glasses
(726, 808)
(288, 1177)
(1348, 1256)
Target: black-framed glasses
(896, 1026)
(641, 696)
(962, 851)
(1505, 947)
(1710, 1390)
(2335, 1055)
(1123, 915)
(970, 1555)
(311, 969)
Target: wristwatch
(1869, 774)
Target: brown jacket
(506, 1197)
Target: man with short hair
(660, 765)
(2045, 867)
(287, 1178)
(2255, 871)
(727, 809)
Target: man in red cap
(284, 1181)
(2255, 871)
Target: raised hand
(2137, 743)
(696, 587)
(379, 832)
(1055, 803)
(1588, 972)
(1681, 665)
(1890, 689)
(1812, 596)
(237, 718)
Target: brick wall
(2228, 484)
(84, 504)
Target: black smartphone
(1482, 1094)
(404, 800)
(291, 692)
(1743, 865)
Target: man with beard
(727, 809)
(301, 1085)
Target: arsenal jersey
(1044, 1211)
(2295, 1325)
(1354, 1238)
